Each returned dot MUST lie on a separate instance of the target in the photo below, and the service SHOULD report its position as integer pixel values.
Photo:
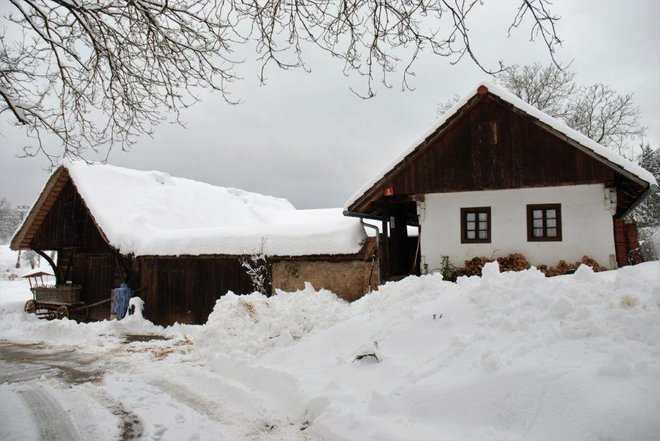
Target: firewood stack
(565, 268)
(518, 262)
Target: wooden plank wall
(98, 275)
(522, 155)
(68, 224)
(184, 289)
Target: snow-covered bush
(257, 268)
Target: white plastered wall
(587, 227)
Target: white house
(497, 176)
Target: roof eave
(652, 188)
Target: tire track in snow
(252, 427)
(51, 418)
(198, 404)
(132, 427)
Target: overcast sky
(308, 138)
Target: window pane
(471, 235)
(537, 232)
(483, 216)
(538, 223)
(471, 216)
(471, 226)
(552, 223)
(483, 234)
(483, 225)
(537, 214)
(552, 232)
(551, 213)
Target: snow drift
(505, 356)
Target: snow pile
(507, 356)
(250, 325)
(504, 356)
(135, 309)
(152, 213)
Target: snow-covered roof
(152, 213)
(532, 111)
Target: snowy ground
(506, 356)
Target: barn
(181, 242)
(496, 176)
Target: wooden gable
(489, 145)
(60, 219)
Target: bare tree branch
(98, 73)
(597, 111)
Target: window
(544, 222)
(475, 225)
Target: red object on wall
(389, 191)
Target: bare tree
(608, 118)
(597, 111)
(98, 73)
(547, 88)
(443, 108)
(126, 60)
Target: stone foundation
(348, 279)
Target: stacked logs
(518, 262)
(565, 268)
(512, 262)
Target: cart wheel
(62, 312)
(30, 307)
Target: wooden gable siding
(184, 289)
(68, 224)
(524, 155)
(471, 155)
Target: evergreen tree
(647, 214)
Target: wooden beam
(56, 270)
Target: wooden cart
(56, 301)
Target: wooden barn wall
(472, 155)
(98, 275)
(184, 289)
(84, 257)
(68, 224)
